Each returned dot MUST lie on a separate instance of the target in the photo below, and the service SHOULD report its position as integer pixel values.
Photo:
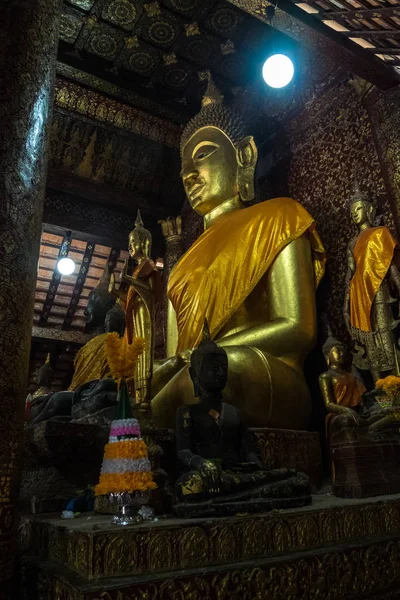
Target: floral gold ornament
(192, 29)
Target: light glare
(278, 70)
(66, 266)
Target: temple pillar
(172, 232)
(28, 47)
(384, 112)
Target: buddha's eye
(204, 152)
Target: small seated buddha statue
(342, 393)
(225, 476)
(139, 294)
(371, 307)
(252, 274)
(353, 413)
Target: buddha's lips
(194, 189)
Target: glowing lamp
(66, 266)
(278, 71)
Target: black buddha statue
(224, 476)
(91, 390)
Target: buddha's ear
(247, 154)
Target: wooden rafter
(385, 33)
(80, 281)
(55, 281)
(391, 50)
(360, 13)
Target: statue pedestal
(287, 448)
(364, 469)
(334, 549)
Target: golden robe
(228, 260)
(373, 255)
(90, 362)
(348, 390)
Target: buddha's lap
(269, 392)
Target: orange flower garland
(127, 482)
(128, 449)
(122, 357)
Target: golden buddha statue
(341, 391)
(139, 293)
(373, 278)
(252, 274)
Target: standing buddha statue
(252, 274)
(139, 292)
(373, 278)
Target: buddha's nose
(189, 177)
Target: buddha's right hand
(211, 477)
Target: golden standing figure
(142, 278)
(372, 280)
(252, 274)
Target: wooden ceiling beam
(55, 281)
(385, 33)
(80, 281)
(360, 13)
(56, 335)
(384, 50)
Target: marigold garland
(129, 449)
(126, 482)
(390, 385)
(121, 356)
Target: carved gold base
(357, 571)
(286, 448)
(94, 548)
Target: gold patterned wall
(316, 157)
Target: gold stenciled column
(384, 113)
(29, 37)
(172, 232)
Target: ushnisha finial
(206, 330)
(139, 221)
(212, 95)
(214, 113)
(48, 358)
(357, 194)
(330, 343)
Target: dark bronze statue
(91, 390)
(225, 476)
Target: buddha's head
(44, 375)
(362, 210)
(139, 240)
(208, 368)
(218, 160)
(334, 352)
(100, 301)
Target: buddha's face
(137, 246)
(213, 373)
(209, 169)
(94, 310)
(360, 212)
(337, 355)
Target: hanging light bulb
(66, 266)
(278, 70)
